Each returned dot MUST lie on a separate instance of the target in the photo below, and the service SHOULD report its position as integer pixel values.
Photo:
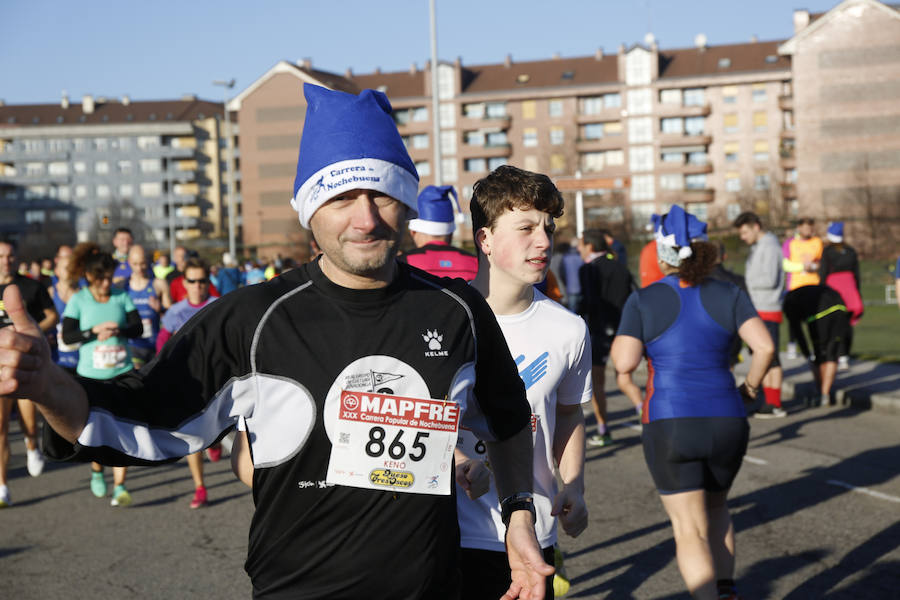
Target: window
(671, 181)
(495, 110)
(760, 121)
(148, 142)
(790, 175)
(58, 168)
(730, 123)
(34, 168)
(33, 146)
(446, 80)
(101, 144)
(80, 191)
(474, 111)
(699, 157)
(531, 163)
(151, 165)
(123, 166)
(33, 192)
(555, 108)
(694, 97)
(557, 136)
(673, 157)
(758, 92)
(612, 128)
(615, 157)
(640, 158)
(80, 144)
(642, 187)
(126, 190)
(637, 67)
(448, 142)
(35, 216)
(731, 151)
(592, 161)
(449, 170)
(475, 165)
(151, 189)
(640, 215)
(557, 163)
(493, 163)
(699, 210)
(639, 101)
(447, 114)
(640, 130)
(496, 138)
(670, 97)
(694, 125)
(529, 109)
(591, 105)
(63, 193)
(593, 131)
(612, 100)
(732, 181)
(124, 143)
(420, 140)
(724, 63)
(729, 94)
(57, 145)
(529, 137)
(673, 125)
(761, 150)
(474, 138)
(423, 168)
(419, 113)
(101, 167)
(696, 181)
(103, 191)
(761, 180)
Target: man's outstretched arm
(27, 371)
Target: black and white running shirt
(276, 356)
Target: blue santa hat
(350, 142)
(836, 232)
(436, 210)
(675, 230)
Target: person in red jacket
(432, 232)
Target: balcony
(484, 151)
(679, 110)
(789, 190)
(9, 155)
(613, 142)
(686, 168)
(701, 195)
(414, 127)
(684, 139)
(786, 102)
(418, 154)
(466, 123)
(171, 152)
(787, 134)
(607, 114)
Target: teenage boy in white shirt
(513, 214)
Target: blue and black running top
(687, 332)
(149, 317)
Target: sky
(166, 48)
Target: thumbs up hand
(24, 352)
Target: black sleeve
(145, 411)
(134, 328)
(71, 334)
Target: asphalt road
(816, 507)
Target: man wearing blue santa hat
(347, 378)
(432, 233)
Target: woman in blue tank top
(695, 427)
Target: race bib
(473, 447)
(109, 357)
(386, 442)
(148, 329)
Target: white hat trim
(358, 173)
(835, 239)
(432, 227)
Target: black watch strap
(518, 501)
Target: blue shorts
(695, 453)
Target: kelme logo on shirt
(434, 339)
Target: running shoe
(214, 452)
(843, 363)
(4, 496)
(791, 350)
(121, 497)
(199, 497)
(770, 411)
(599, 441)
(35, 462)
(98, 484)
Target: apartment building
(77, 171)
(846, 98)
(719, 129)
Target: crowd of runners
(451, 411)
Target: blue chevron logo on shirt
(533, 372)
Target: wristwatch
(518, 501)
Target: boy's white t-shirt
(552, 350)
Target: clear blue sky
(166, 48)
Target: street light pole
(435, 106)
(229, 184)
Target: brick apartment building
(719, 129)
(77, 171)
